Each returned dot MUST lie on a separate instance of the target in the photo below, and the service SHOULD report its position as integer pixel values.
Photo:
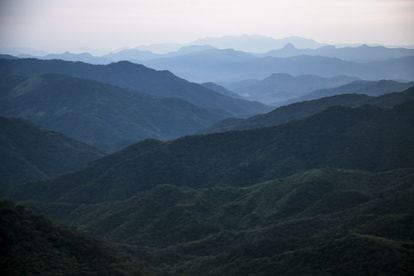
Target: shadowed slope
(28, 153)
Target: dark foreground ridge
(32, 245)
(325, 221)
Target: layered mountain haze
(155, 138)
(246, 43)
(256, 43)
(370, 88)
(138, 78)
(279, 88)
(83, 57)
(363, 53)
(222, 65)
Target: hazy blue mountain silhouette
(103, 115)
(370, 88)
(138, 78)
(221, 89)
(281, 87)
(133, 55)
(223, 65)
(256, 43)
(83, 57)
(362, 53)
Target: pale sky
(58, 25)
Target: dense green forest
(328, 194)
(367, 138)
(29, 153)
(324, 221)
(32, 245)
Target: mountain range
(198, 205)
(363, 53)
(138, 78)
(99, 114)
(225, 65)
(237, 58)
(256, 43)
(83, 57)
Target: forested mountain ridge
(28, 153)
(103, 115)
(303, 109)
(366, 137)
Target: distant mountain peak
(129, 64)
(289, 46)
(257, 43)
(123, 62)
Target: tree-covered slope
(324, 221)
(366, 138)
(303, 109)
(103, 115)
(28, 153)
(32, 245)
(138, 78)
